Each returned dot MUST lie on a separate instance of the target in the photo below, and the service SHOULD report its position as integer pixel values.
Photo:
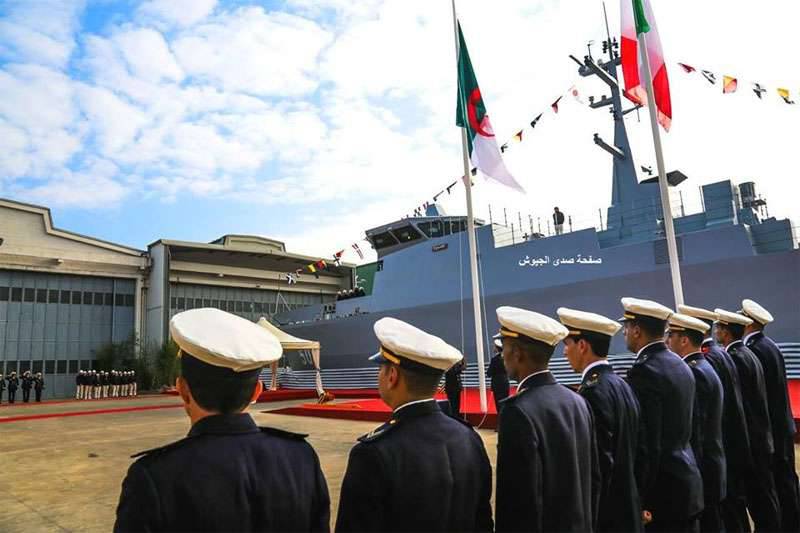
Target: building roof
(52, 230)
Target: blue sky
(313, 120)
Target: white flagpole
(674, 266)
(473, 255)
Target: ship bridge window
(432, 229)
(382, 240)
(406, 234)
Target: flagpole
(672, 248)
(473, 255)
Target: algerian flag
(471, 114)
(637, 18)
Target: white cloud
(39, 32)
(254, 52)
(92, 187)
(38, 104)
(148, 55)
(177, 12)
(115, 122)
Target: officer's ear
(392, 375)
(183, 390)
(257, 390)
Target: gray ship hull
(771, 279)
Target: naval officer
(497, 374)
(780, 412)
(669, 481)
(228, 474)
(422, 470)
(548, 476)
(616, 417)
(685, 338)
(762, 500)
(735, 439)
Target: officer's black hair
(695, 337)
(420, 383)
(218, 389)
(538, 351)
(600, 343)
(736, 330)
(653, 327)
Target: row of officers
(698, 437)
(26, 383)
(98, 384)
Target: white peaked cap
(582, 321)
(635, 308)
(681, 322)
(697, 312)
(515, 321)
(726, 317)
(400, 340)
(225, 340)
(752, 310)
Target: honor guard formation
(99, 384)
(698, 436)
(26, 383)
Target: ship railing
(516, 228)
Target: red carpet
(84, 413)
(281, 395)
(20, 403)
(374, 410)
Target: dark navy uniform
(453, 387)
(707, 439)
(2, 387)
(762, 500)
(27, 383)
(421, 471)
(38, 387)
(226, 475)
(548, 477)
(669, 481)
(13, 385)
(735, 438)
(783, 428)
(498, 379)
(616, 420)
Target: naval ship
(729, 250)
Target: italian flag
(471, 114)
(637, 18)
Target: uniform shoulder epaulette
(164, 448)
(283, 433)
(594, 379)
(513, 397)
(379, 431)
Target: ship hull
(771, 279)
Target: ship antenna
(608, 34)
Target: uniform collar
(416, 408)
(531, 380)
(224, 425)
(752, 336)
(653, 346)
(692, 356)
(601, 362)
(728, 347)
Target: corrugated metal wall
(247, 303)
(53, 323)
